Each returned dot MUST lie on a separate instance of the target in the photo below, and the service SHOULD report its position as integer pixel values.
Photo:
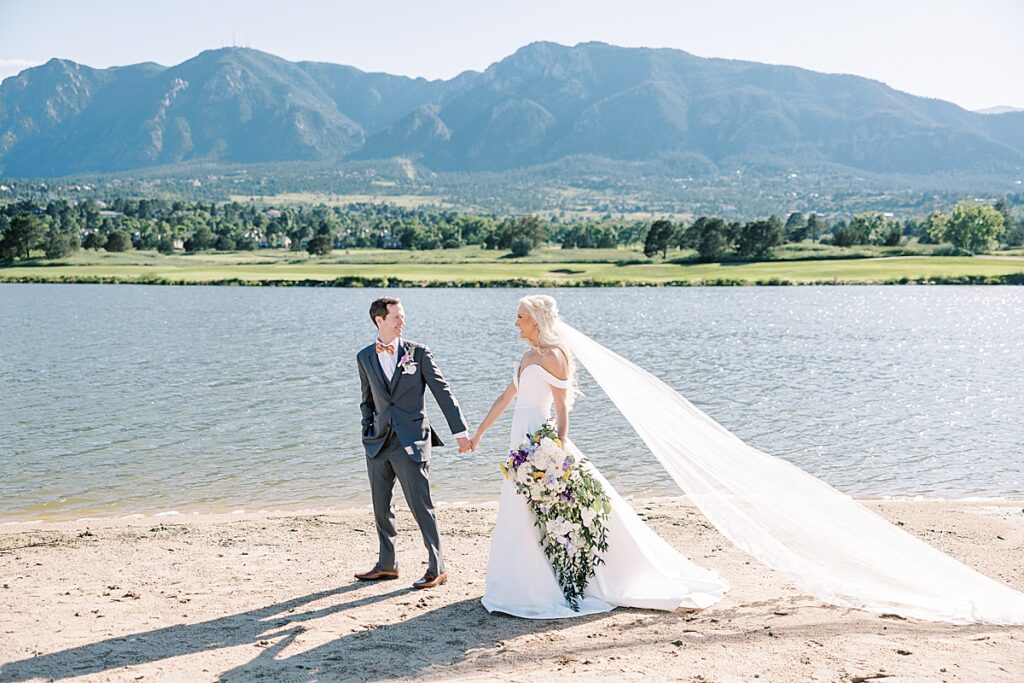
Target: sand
(271, 596)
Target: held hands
(469, 445)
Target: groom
(393, 374)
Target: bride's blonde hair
(543, 310)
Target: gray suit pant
(393, 462)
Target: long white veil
(822, 540)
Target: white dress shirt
(389, 363)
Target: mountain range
(544, 103)
(1002, 109)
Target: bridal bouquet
(570, 505)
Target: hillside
(542, 104)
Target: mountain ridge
(542, 103)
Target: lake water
(118, 400)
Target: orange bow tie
(381, 348)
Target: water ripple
(115, 400)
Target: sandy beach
(271, 596)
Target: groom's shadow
(182, 639)
(406, 649)
(441, 636)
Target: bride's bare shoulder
(554, 361)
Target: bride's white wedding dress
(821, 539)
(639, 570)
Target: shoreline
(187, 515)
(1009, 279)
(239, 597)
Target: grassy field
(472, 266)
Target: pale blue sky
(966, 51)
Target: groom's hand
(465, 445)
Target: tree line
(970, 228)
(60, 227)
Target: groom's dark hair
(379, 307)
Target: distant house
(256, 237)
(110, 214)
(179, 245)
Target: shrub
(118, 240)
(521, 245)
(321, 245)
(95, 240)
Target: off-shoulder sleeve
(554, 381)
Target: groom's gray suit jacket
(396, 406)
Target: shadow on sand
(441, 636)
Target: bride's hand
(474, 441)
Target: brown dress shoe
(430, 581)
(377, 575)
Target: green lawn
(472, 265)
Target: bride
(822, 540)
(639, 569)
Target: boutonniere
(407, 363)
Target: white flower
(563, 527)
(549, 448)
(588, 515)
(409, 368)
(559, 529)
(541, 458)
(554, 469)
(523, 475)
